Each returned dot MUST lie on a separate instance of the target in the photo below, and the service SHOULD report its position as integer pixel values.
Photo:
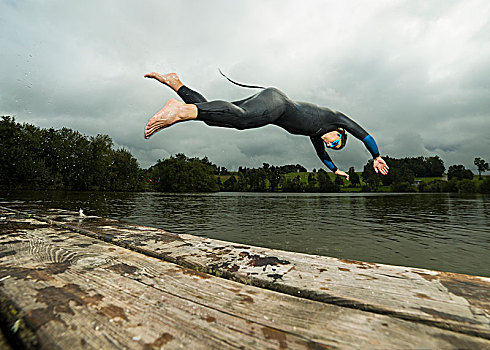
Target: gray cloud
(415, 74)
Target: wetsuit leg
(259, 110)
(190, 96)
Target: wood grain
(100, 280)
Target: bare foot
(170, 79)
(168, 115)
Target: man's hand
(380, 166)
(342, 173)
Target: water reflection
(436, 231)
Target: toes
(151, 131)
(150, 128)
(148, 133)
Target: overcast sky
(414, 74)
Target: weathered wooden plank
(447, 300)
(76, 297)
(73, 295)
(81, 292)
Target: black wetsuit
(272, 106)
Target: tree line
(403, 172)
(49, 159)
(35, 158)
(273, 179)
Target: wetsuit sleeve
(319, 146)
(371, 146)
(357, 131)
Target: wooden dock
(69, 282)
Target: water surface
(443, 232)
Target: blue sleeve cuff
(371, 145)
(330, 165)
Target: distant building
(444, 177)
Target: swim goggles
(336, 142)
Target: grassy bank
(348, 187)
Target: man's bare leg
(170, 79)
(173, 112)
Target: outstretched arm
(379, 164)
(325, 158)
(357, 131)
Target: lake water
(445, 232)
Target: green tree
(466, 186)
(369, 176)
(402, 187)
(294, 185)
(182, 174)
(230, 185)
(74, 160)
(9, 152)
(35, 158)
(435, 166)
(22, 164)
(450, 186)
(312, 183)
(459, 172)
(274, 178)
(353, 177)
(339, 181)
(124, 172)
(242, 185)
(482, 166)
(325, 183)
(401, 170)
(484, 186)
(99, 162)
(404, 174)
(257, 179)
